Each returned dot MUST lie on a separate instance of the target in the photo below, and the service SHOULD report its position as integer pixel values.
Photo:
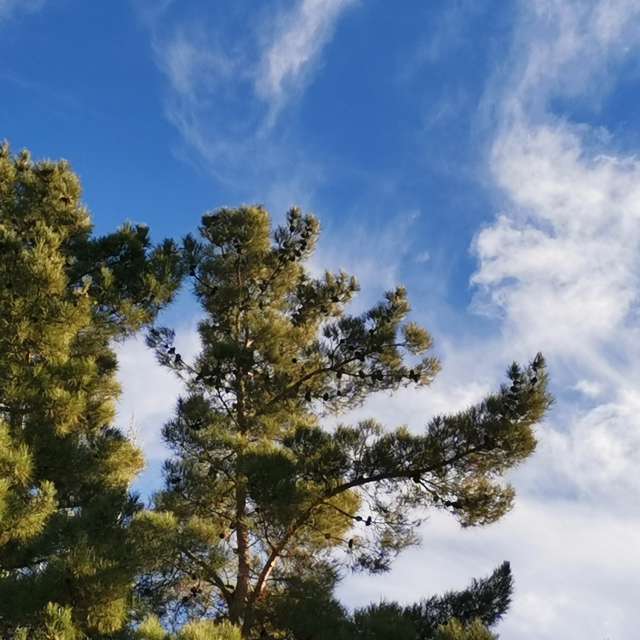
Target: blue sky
(484, 154)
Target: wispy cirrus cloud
(228, 88)
(10, 8)
(562, 260)
(299, 36)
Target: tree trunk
(237, 610)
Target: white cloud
(300, 35)
(198, 70)
(149, 395)
(566, 564)
(192, 68)
(567, 48)
(560, 268)
(588, 388)
(373, 253)
(8, 8)
(597, 454)
(227, 88)
(561, 265)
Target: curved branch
(301, 520)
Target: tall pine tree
(65, 557)
(260, 499)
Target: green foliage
(455, 630)
(384, 621)
(64, 472)
(151, 629)
(208, 630)
(287, 499)
(24, 506)
(263, 508)
(484, 602)
(58, 624)
(305, 608)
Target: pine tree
(259, 497)
(484, 602)
(306, 608)
(65, 296)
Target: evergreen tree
(306, 608)
(383, 621)
(259, 497)
(484, 602)
(65, 557)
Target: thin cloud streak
(9, 8)
(299, 38)
(226, 95)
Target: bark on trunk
(239, 604)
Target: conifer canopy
(66, 561)
(263, 502)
